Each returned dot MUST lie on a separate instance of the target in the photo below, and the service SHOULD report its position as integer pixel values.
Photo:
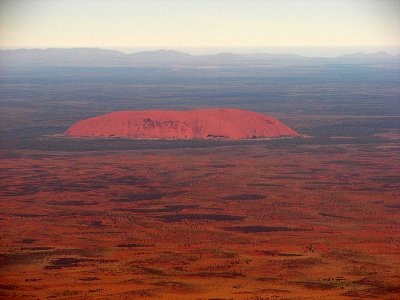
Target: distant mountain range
(104, 57)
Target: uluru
(225, 123)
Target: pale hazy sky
(199, 23)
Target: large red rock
(229, 123)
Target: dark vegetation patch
(95, 290)
(244, 197)
(145, 196)
(167, 208)
(79, 213)
(66, 262)
(96, 224)
(232, 274)
(71, 203)
(316, 285)
(266, 184)
(69, 262)
(29, 215)
(176, 286)
(334, 216)
(28, 241)
(179, 207)
(283, 177)
(378, 202)
(305, 172)
(205, 175)
(253, 229)
(136, 293)
(346, 254)
(170, 284)
(133, 245)
(378, 287)
(302, 262)
(282, 203)
(141, 197)
(221, 166)
(387, 179)
(65, 186)
(376, 290)
(66, 293)
(268, 278)
(8, 287)
(274, 291)
(144, 210)
(213, 217)
(37, 248)
(89, 278)
(131, 180)
(277, 253)
(8, 259)
(33, 279)
(213, 208)
(395, 206)
(21, 190)
(153, 271)
(10, 155)
(344, 161)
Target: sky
(201, 24)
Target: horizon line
(394, 50)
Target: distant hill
(61, 57)
(159, 57)
(359, 56)
(105, 57)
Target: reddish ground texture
(237, 222)
(227, 123)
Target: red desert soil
(227, 123)
(245, 222)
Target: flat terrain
(298, 221)
(301, 218)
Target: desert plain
(313, 217)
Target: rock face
(228, 123)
